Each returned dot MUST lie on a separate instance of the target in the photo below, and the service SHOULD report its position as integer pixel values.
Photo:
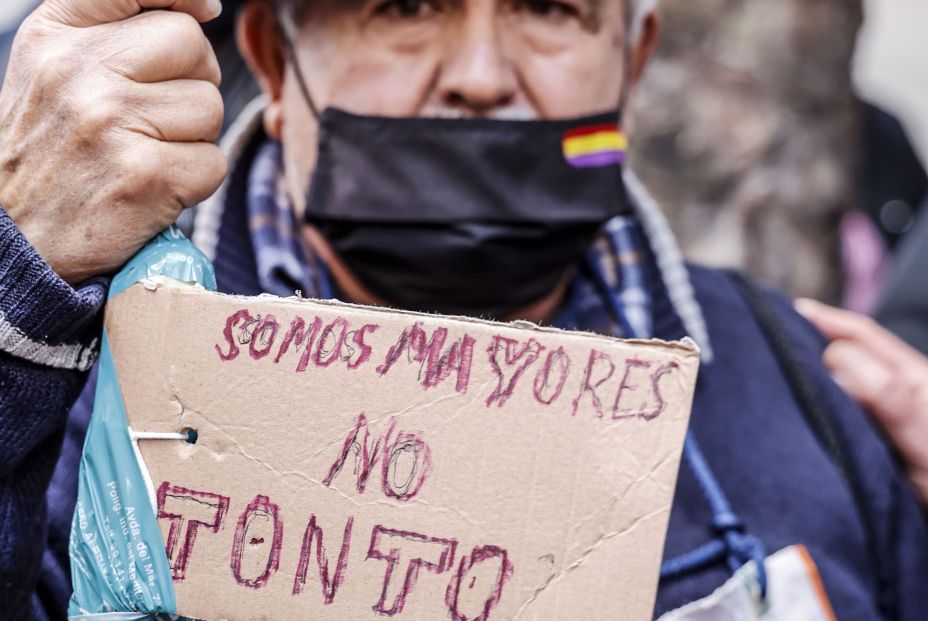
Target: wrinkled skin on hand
(108, 119)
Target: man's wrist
(42, 318)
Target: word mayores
(619, 389)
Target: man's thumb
(84, 13)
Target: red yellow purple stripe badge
(595, 146)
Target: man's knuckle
(207, 64)
(98, 112)
(182, 29)
(209, 56)
(920, 399)
(215, 167)
(56, 65)
(221, 166)
(214, 111)
(888, 391)
(29, 36)
(910, 382)
(141, 167)
(36, 33)
(868, 325)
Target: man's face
(520, 59)
(503, 58)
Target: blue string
(740, 547)
(732, 543)
(707, 554)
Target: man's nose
(477, 77)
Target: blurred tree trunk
(747, 132)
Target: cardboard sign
(354, 463)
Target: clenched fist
(108, 118)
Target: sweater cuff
(42, 318)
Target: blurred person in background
(903, 307)
(767, 158)
(103, 145)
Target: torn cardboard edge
(152, 283)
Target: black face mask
(464, 216)
(476, 217)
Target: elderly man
(460, 156)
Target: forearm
(48, 340)
(49, 335)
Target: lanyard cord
(737, 547)
(290, 56)
(731, 543)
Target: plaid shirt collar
(285, 262)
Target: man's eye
(548, 8)
(407, 9)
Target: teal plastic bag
(120, 571)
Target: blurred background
(784, 137)
(771, 133)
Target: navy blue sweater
(774, 471)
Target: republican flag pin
(595, 146)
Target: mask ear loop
(623, 87)
(326, 291)
(291, 58)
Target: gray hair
(639, 10)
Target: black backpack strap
(822, 421)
